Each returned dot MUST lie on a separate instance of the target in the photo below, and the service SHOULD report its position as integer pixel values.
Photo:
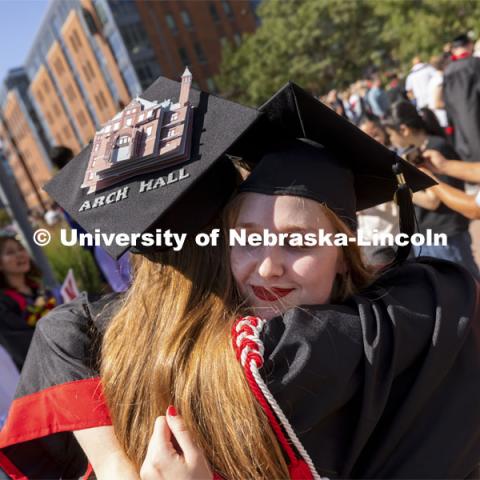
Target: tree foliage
(314, 42)
(324, 44)
(423, 27)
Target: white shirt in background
(417, 82)
(435, 82)
(381, 218)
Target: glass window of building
(172, 25)
(102, 99)
(211, 85)
(149, 131)
(199, 52)
(227, 8)
(186, 19)
(58, 67)
(182, 52)
(213, 12)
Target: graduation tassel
(406, 213)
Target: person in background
(396, 89)
(476, 49)
(461, 93)
(357, 102)
(435, 90)
(23, 300)
(463, 203)
(382, 218)
(407, 129)
(417, 82)
(377, 98)
(335, 103)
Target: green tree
(423, 27)
(319, 44)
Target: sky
(19, 22)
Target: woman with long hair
(285, 360)
(408, 129)
(23, 300)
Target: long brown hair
(170, 343)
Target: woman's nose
(270, 266)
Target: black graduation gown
(15, 333)
(461, 92)
(386, 385)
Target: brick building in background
(90, 57)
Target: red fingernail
(172, 411)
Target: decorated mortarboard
(302, 147)
(159, 163)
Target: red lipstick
(270, 294)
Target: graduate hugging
(250, 362)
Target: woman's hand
(434, 161)
(165, 461)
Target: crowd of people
(232, 362)
(431, 118)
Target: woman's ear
(404, 131)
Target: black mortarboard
(184, 195)
(301, 147)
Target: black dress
(18, 315)
(386, 385)
(461, 92)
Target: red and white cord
(249, 348)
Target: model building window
(129, 122)
(174, 117)
(171, 132)
(123, 140)
(116, 126)
(150, 114)
(149, 131)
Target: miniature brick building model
(144, 137)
